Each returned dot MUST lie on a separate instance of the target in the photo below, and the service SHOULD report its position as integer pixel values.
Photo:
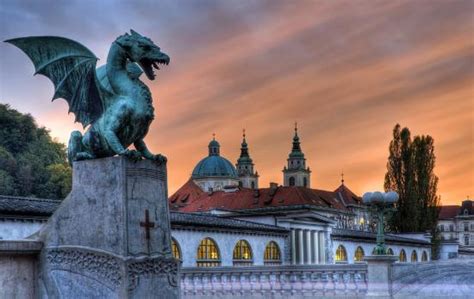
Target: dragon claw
(160, 159)
(132, 154)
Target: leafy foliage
(410, 172)
(31, 163)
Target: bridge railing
(283, 280)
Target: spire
(296, 150)
(244, 150)
(342, 177)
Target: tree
(31, 162)
(410, 172)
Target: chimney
(273, 185)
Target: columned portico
(308, 237)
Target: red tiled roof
(448, 212)
(190, 198)
(348, 196)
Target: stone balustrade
(275, 281)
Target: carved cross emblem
(147, 224)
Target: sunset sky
(346, 71)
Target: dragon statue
(111, 100)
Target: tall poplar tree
(410, 172)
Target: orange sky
(346, 71)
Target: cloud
(347, 71)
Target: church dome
(214, 165)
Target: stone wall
(18, 260)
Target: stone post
(379, 272)
(111, 237)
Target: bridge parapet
(275, 281)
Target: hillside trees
(31, 163)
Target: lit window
(175, 249)
(359, 254)
(272, 254)
(390, 251)
(414, 256)
(341, 255)
(208, 254)
(403, 257)
(242, 254)
(424, 256)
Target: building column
(307, 247)
(322, 249)
(315, 245)
(293, 247)
(300, 247)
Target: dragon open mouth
(149, 66)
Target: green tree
(410, 172)
(32, 163)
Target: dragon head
(143, 51)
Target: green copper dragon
(111, 100)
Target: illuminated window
(414, 256)
(403, 257)
(242, 254)
(272, 254)
(424, 256)
(390, 251)
(359, 254)
(175, 249)
(208, 254)
(341, 255)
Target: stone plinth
(379, 275)
(100, 243)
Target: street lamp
(380, 203)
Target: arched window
(424, 256)
(272, 254)
(242, 254)
(175, 249)
(403, 256)
(305, 182)
(292, 181)
(208, 254)
(414, 256)
(390, 251)
(359, 254)
(252, 185)
(341, 254)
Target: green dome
(214, 165)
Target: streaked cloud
(347, 71)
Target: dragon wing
(71, 68)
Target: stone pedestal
(111, 237)
(379, 272)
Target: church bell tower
(247, 177)
(296, 173)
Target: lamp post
(381, 204)
(379, 265)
